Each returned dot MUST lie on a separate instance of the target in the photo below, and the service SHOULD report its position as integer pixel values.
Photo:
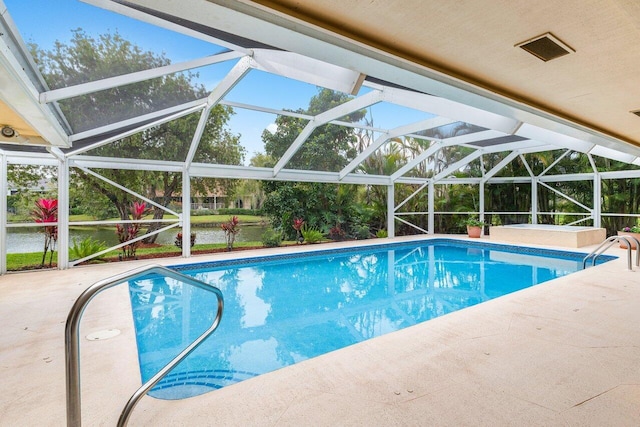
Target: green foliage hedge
(238, 211)
(271, 238)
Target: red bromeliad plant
(297, 225)
(47, 211)
(230, 229)
(178, 240)
(127, 232)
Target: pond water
(30, 239)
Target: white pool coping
(562, 353)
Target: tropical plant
(337, 233)
(297, 225)
(311, 235)
(362, 232)
(473, 221)
(87, 247)
(382, 233)
(178, 239)
(128, 232)
(46, 211)
(230, 229)
(271, 238)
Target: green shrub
(382, 233)
(86, 248)
(361, 232)
(311, 235)
(271, 238)
(239, 211)
(202, 212)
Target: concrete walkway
(564, 353)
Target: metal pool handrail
(72, 339)
(608, 243)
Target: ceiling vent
(546, 47)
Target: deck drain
(103, 335)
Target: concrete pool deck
(566, 352)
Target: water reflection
(284, 311)
(29, 239)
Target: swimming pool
(280, 310)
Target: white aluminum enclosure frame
(306, 54)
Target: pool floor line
(527, 358)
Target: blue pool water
(285, 309)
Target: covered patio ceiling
(454, 64)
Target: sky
(49, 24)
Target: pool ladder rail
(610, 241)
(72, 339)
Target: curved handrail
(607, 243)
(72, 339)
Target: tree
(88, 59)
(328, 148)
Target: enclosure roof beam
(94, 162)
(302, 116)
(309, 70)
(130, 132)
(457, 165)
(451, 109)
(123, 9)
(266, 110)
(240, 172)
(430, 123)
(335, 113)
(416, 161)
(114, 127)
(28, 159)
(610, 153)
(522, 146)
(229, 81)
(526, 165)
(561, 141)
(504, 162)
(139, 76)
(509, 180)
(565, 154)
(444, 143)
(56, 152)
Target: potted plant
(633, 231)
(474, 227)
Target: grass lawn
(32, 260)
